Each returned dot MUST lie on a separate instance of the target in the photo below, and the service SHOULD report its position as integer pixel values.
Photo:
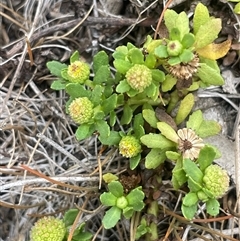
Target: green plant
(150, 91)
(120, 203)
(206, 183)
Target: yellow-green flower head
(48, 229)
(174, 48)
(129, 146)
(216, 180)
(139, 77)
(81, 110)
(78, 72)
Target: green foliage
(120, 203)
(161, 75)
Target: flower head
(189, 144)
(48, 229)
(184, 71)
(216, 180)
(174, 48)
(129, 146)
(139, 77)
(81, 110)
(78, 72)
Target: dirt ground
(34, 32)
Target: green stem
(153, 210)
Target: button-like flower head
(129, 146)
(174, 48)
(139, 77)
(216, 180)
(48, 229)
(189, 144)
(184, 70)
(81, 110)
(78, 72)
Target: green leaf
(83, 131)
(237, 8)
(185, 108)
(172, 155)
(58, 85)
(186, 56)
(168, 131)
(151, 91)
(96, 95)
(175, 34)
(123, 87)
(190, 199)
(178, 177)
(127, 115)
(193, 185)
(76, 90)
(158, 75)
(116, 188)
(102, 74)
(112, 118)
(169, 82)
(192, 171)
(182, 23)
(195, 120)
(122, 66)
(212, 207)
(206, 157)
(208, 128)
(150, 117)
(70, 216)
(111, 217)
(109, 177)
(120, 52)
(83, 236)
(135, 199)
(154, 158)
(170, 18)
(136, 56)
(201, 16)
(108, 199)
(207, 33)
(150, 61)
(189, 212)
(134, 161)
(103, 128)
(161, 52)
(188, 40)
(74, 57)
(56, 67)
(158, 141)
(110, 103)
(128, 212)
(111, 140)
(99, 60)
(174, 60)
(138, 126)
(209, 75)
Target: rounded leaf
(108, 199)
(111, 217)
(116, 188)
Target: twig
(237, 170)
(90, 21)
(63, 151)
